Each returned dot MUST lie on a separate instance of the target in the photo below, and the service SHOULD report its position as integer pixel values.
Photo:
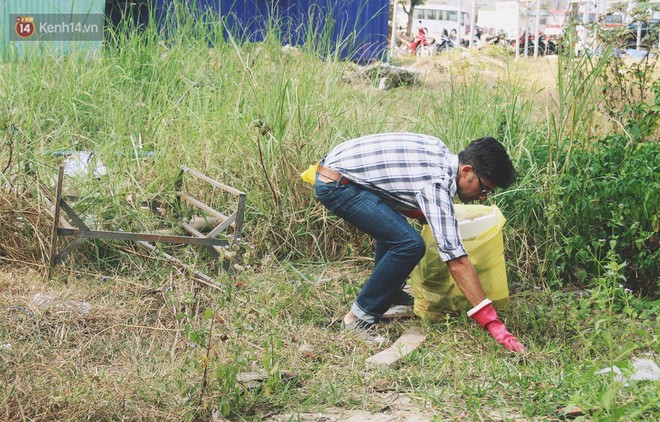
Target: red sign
(25, 26)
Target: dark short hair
(490, 160)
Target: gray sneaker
(363, 330)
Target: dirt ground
(538, 74)
(395, 408)
(22, 286)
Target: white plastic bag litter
(82, 163)
(644, 370)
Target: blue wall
(358, 28)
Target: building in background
(500, 16)
(514, 17)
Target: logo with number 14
(25, 26)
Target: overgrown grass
(166, 350)
(253, 115)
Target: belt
(327, 175)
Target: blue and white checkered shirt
(409, 171)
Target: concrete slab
(391, 357)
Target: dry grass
(539, 77)
(105, 348)
(24, 230)
(73, 355)
(101, 346)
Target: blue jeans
(399, 247)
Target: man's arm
(435, 202)
(467, 279)
(482, 309)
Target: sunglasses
(484, 191)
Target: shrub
(611, 200)
(606, 200)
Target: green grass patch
(168, 350)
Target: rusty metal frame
(81, 232)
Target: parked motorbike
(554, 44)
(521, 44)
(420, 46)
(546, 46)
(445, 42)
(476, 37)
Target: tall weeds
(581, 164)
(254, 115)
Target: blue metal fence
(357, 29)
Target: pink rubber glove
(485, 315)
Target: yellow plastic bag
(435, 291)
(309, 175)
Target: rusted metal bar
(64, 252)
(202, 278)
(77, 221)
(212, 181)
(193, 231)
(82, 232)
(240, 217)
(51, 208)
(215, 250)
(149, 237)
(223, 226)
(201, 205)
(56, 219)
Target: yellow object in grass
(309, 175)
(435, 291)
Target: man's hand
(504, 337)
(485, 315)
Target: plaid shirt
(409, 171)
